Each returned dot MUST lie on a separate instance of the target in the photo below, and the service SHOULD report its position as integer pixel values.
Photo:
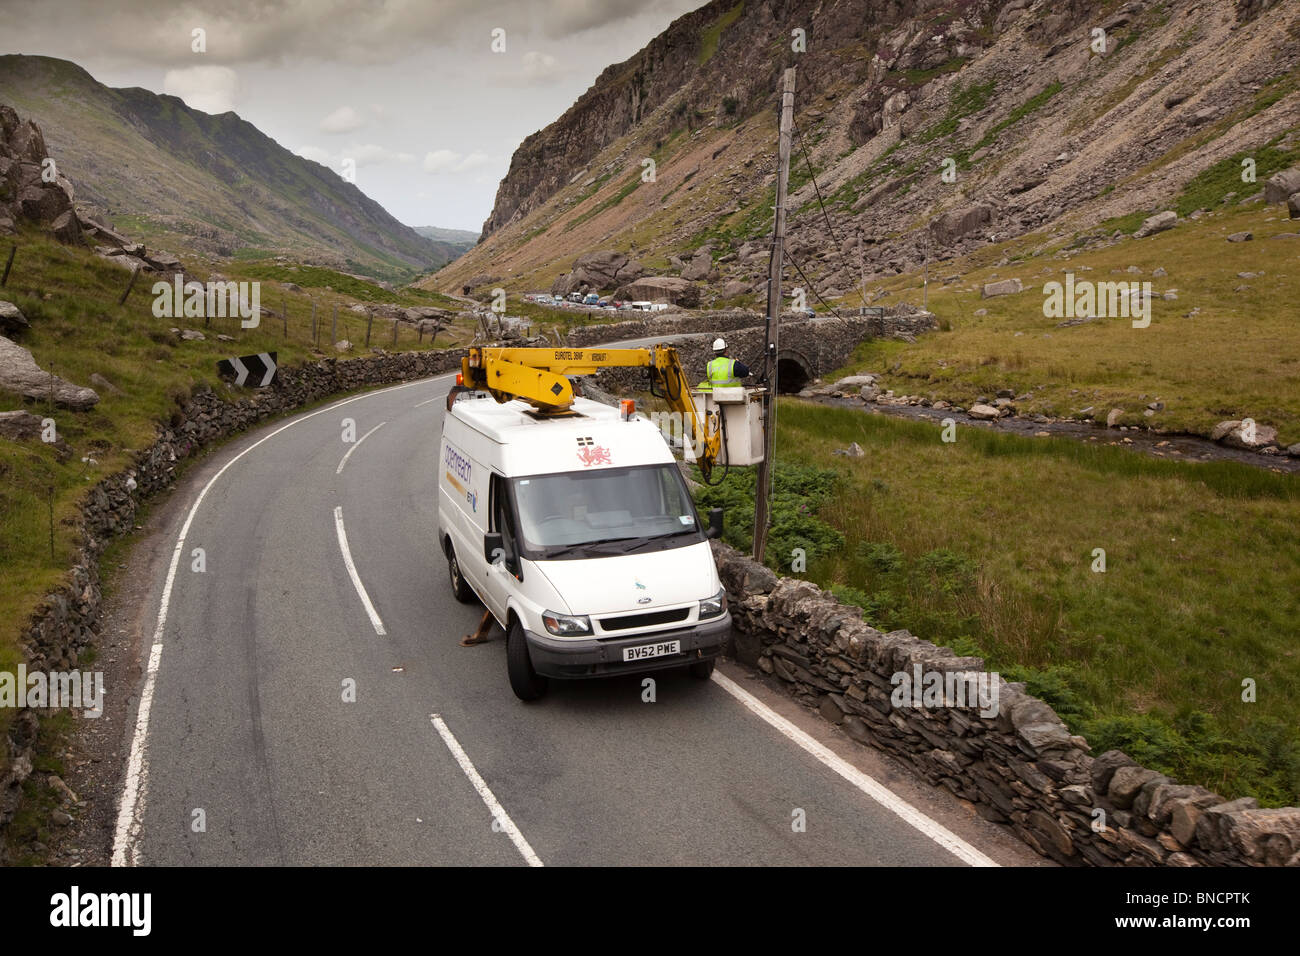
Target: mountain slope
(201, 183)
(1044, 132)
(450, 242)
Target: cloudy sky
(428, 98)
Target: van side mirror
(494, 548)
(715, 524)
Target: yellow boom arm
(540, 377)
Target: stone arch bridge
(809, 348)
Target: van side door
(504, 571)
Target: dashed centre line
(339, 470)
(352, 573)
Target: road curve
(247, 746)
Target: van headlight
(566, 625)
(714, 605)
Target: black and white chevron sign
(255, 371)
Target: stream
(1178, 447)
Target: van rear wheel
(459, 586)
(524, 681)
(702, 670)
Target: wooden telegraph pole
(763, 489)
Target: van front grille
(648, 619)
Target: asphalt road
(244, 750)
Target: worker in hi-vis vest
(721, 371)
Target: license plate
(643, 651)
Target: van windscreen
(605, 512)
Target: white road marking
(868, 785)
(339, 470)
(499, 815)
(352, 573)
(130, 813)
(429, 402)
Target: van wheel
(459, 586)
(702, 670)
(524, 681)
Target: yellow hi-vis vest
(722, 372)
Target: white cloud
(343, 120)
(449, 161)
(212, 89)
(362, 154)
(538, 65)
(372, 155)
(315, 154)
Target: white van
(579, 535)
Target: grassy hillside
(193, 182)
(1237, 355)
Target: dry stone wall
(1005, 752)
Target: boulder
(65, 228)
(1241, 237)
(603, 269)
(20, 426)
(983, 412)
(104, 385)
(99, 232)
(24, 426)
(20, 373)
(698, 268)
(1281, 186)
(1293, 205)
(1001, 287)
(660, 289)
(1243, 434)
(1157, 223)
(12, 319)
(166, 262)
(955, 224)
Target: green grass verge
(987, 545)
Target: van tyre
(524, 681)
(702, 670)
(459, 586)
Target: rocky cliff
(931, 128)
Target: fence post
(12, 249)
(394, 333)
(315, 329)
(334, 326)
(129, 286)
(284, 313)
(370, 320)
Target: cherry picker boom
(540, 377)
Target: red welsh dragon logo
(594, 455)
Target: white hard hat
(719, 345)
